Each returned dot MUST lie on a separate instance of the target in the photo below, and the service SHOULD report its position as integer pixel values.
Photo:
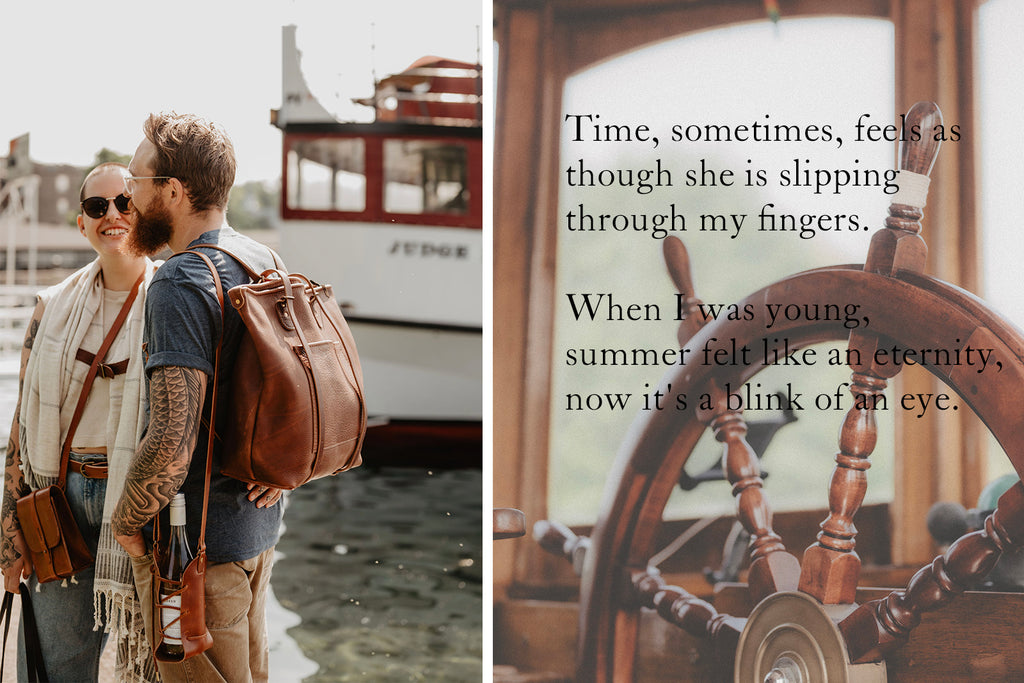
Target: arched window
(749, 213)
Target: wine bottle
(176, 558)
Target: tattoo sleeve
(161, 462)
(14, 483)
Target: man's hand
(264, 496)
(134, 545)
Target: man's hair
(198, 153)
(96, 171)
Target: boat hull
(420, 373)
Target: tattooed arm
(14, 559)
(161, 462)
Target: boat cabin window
(699, 84)
(379, 177)
(425, 176)
(327, 174)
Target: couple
(139, 442)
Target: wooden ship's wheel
(806, 625)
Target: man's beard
(151, 231)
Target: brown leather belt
(106, 370)
(89, 470)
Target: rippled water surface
(382, 567)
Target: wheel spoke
(677, 261)
(685, 610)
(772, 569)
(558, 539)
(900, 246)
(879, 626)
(831, 568)
(508, 523)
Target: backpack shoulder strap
(253, 275)
(213, 398)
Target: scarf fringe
(34, 479)
(115, 598)
(124, 623)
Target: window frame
(374, 139)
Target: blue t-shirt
(183, 326)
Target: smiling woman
(104, 219)
(98, 307)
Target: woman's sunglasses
(96, 207)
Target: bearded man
(180, 177)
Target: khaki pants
(236, 615)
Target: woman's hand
(16, 569)
(264, 496)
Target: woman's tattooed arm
(14, 482)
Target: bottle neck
(177, 515)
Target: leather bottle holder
(195, 637)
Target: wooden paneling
(976, 639)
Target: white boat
(389, 212)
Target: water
(382, 566)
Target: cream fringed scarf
(53, 381)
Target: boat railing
(19, 213)
(16, 305)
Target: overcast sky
(82, 76)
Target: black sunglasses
(96, 207)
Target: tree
(105, 155)
(253, 206)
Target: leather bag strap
(33, 650)
(253, 275)
(5, 616)
(91, 375)
(201, 547)
(216, 368)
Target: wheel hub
(787, 670)
(791, 638)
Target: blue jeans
(64, 614)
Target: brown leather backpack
(296, 410)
